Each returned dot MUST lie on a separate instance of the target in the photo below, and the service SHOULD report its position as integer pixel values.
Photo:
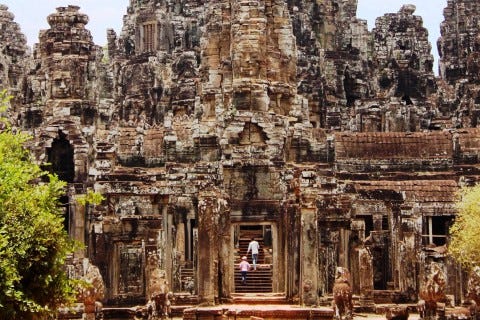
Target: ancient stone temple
(205, 124)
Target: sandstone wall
(205, 117)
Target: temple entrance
(60, 155)
(61, 158)
(185, 260)
(259, 280)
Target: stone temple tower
(207, 123)
(13, 56)
(59, 107)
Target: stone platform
(267, 312)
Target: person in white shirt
(253, 246)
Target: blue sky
(109, 13)
(430, 10)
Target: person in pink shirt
(244, 268)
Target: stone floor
(373, 316)
(260, 311)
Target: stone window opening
(350, 88)
(88, 117)
(33, 118)
(368, 221)
(131, 271)
(252, 134)
(65, 204)
(477, 100)
(406, 99)
(148, 37)
(375, 223)
(385, 223)
(2, 73)
(435, 230)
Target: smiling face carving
(61, 84)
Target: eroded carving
(342, 295)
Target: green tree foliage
(90, 198)
(464, 243)
(33, 242)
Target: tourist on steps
(253, 246)
(244, 267)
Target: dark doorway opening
(380, 268)
(259, 280)
(66, 212)
(60, 156)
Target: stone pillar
(407, 248)
(213, 241)
(408, 257)
(208, 250)
(366, 279)
(309, 257)
(188, 239)
(292, 263)
(168, 252)
(226, 254)
(77, 225)
(180, 239)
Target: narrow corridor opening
(259, 280)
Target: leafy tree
(90, 198)
(464, 243)
(33, 242)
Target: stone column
(292, 255)
(78, 218)
(309, 257)
(188, 239)
(180, 239)
(366, 279)
(408, 256)
(212, 239)
(208, 250)
(168, 252)
(226, 253)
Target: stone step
(259, 298)
(259, 273)
(259, 280)
(186, 274)
(187, 271)
(249, 287)
(267, 312)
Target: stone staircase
(260, 280)
(187, 277)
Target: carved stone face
(61, 84)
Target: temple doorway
(61, 159)
(259, 280)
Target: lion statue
(432, 291)
(158, 292)
(159, 303)
(342, 295)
